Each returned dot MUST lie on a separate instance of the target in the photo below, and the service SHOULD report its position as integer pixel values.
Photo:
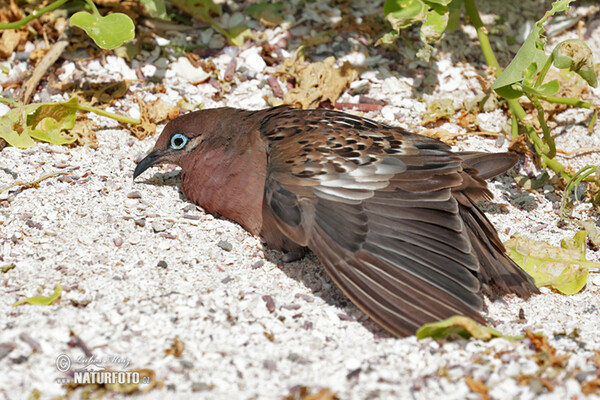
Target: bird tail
(498, 273)
(489, 165)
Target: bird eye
(178, 141)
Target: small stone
(200, 387)
(118, 241)
(162, 264)
(6, 348)
(270, 303)
(32, 224)
(191, 216)
(134, 195)
(160, 225)
(270, 365)
(140, 222)
(227, 280)
(189, 207)
(187, 364)
(258, 264)
(225, 245)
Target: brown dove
(391, 215)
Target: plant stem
(93, 7)
(484, 42)
(543, 72)
(547, 136)
(36, 14)
(570, 101)
(514, 128)
(120, 118)
(515, 107)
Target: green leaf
(562, 268)
(455, 9)
(238, 34)
(155, 8)
(575, 55)
(547, 89)
(49, 120)
(108, 32)
(198, 9)
(532, 51)
(457, 325)
(403, 13)
(266, 12)
(41, 121)
(13, 129)
(436, 20)
(42, 300)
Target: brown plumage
(391, 215)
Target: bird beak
(152, 158)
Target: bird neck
(228, 181)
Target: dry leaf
(9, 41)
(102, 93)
(478, 387)
(520, 144)
(438, 109)
(302, 393)
(316, 83)
(176, 348)
(590, 387)
(152, 114)
(84, 131)
(37, 54)
(441, 134)
(160, 111)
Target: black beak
(152, 158)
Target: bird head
(179, 138)
(223, 162)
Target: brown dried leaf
(478, 387)
(84, 131)
(207, 65)
(152, 114)
(302, 393)
(160, 111)
(9, 41)
(520, 145)
(441, 134)
(316, 83)
(540, 342)
(37, 54)
(590, 387)
(438, 109)
(176, 348)
(105, 94)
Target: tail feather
(497, 270)
(489, 165)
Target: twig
(37, 181)
(42, 67)
(580, 151)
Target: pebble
(134, 195)
(161, 225)
(162, 264)
(118, 241)
(225, 245)
(200, 387)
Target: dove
(391, 215)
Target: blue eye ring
(178, 141)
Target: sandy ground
(141, 267)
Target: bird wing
(375, 205)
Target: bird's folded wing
(377, 208)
